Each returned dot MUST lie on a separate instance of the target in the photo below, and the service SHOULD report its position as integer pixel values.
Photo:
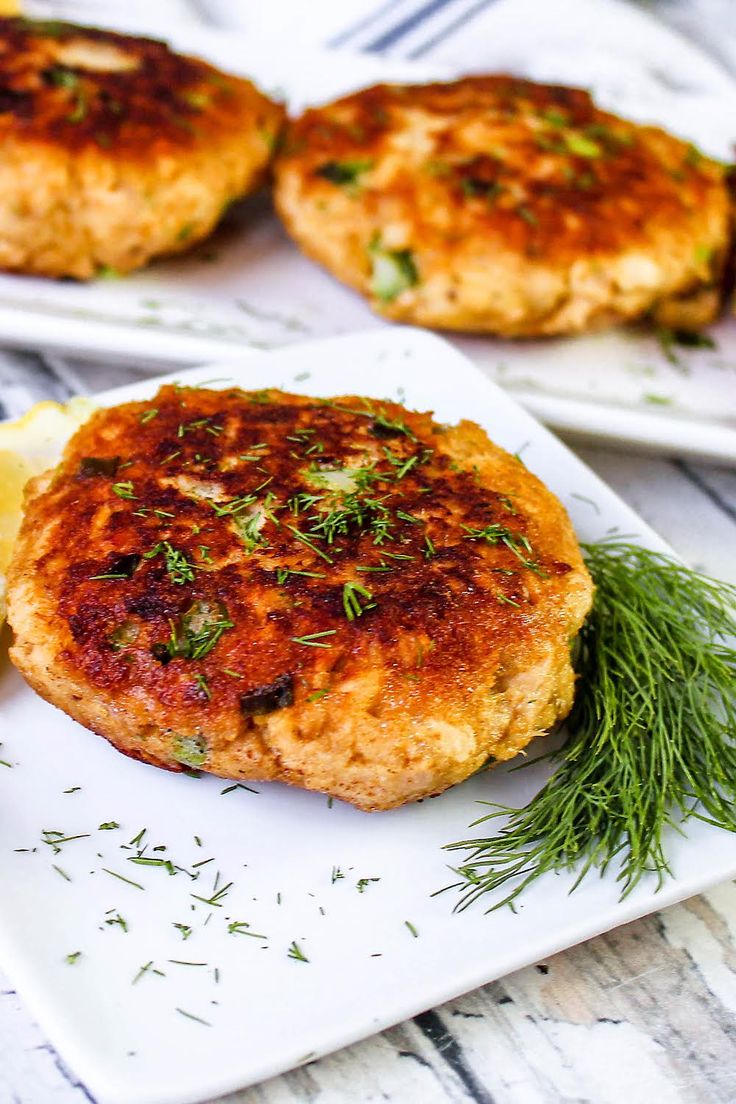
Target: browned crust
(528, 182)
(117, 150)
(160, 101)
(463, 656)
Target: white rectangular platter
(250, 288)
(353, 890)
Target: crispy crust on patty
(505, 206)
(116, 150)
(341, 595)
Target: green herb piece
(343, 173)
(191, 751)
(392, 271)
(703, 254)
(651, 734)
(79, 111)
(46, 28)
(249, 528)
(317, 695)
(123, 490)
(580, 146)
(354, 512)
(296, 952)
(117, 921)
(693, 156)
(474, 188)
(309, 543)
(126, 633)
(196, 99)
(73, 958)
(217, 897)
(314, 640)
(184, 930)
(61, 77)
(121, 878)
(515, 542)
(145, 969)
(201, 629)
(178, 567)
(200, 681)
(688, 339)
(283, 573)
(351, 600)
(148, 415)
(555, 118)
(408, 924)
(240, 927)
(527, 215)
(108, 826)
(390, 427)
(56, 840)
(657, 400)
(300, 503)
(166, 864)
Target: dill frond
(652, 735)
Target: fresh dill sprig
(651, 735)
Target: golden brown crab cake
(343, 595)
(116, 150)
(498, 205)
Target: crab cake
(338, 594)
(116, 150)
(497, 205)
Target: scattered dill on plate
(651, 735)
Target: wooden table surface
(644, 1014)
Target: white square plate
(249, 287)
(274, 853)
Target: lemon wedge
(28, 447)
